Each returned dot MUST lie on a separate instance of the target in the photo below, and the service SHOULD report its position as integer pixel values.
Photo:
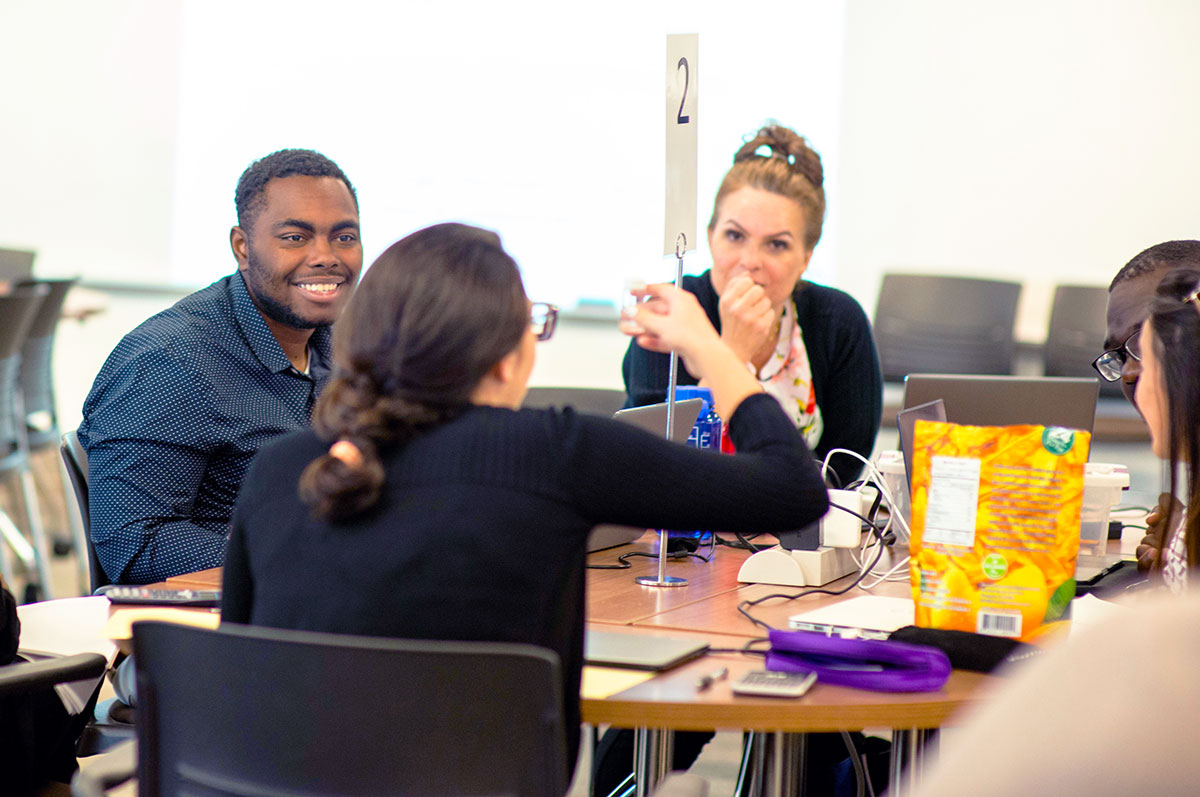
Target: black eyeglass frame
(1120, 355)
(548, 319)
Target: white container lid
(1102, 474)
(890, 462)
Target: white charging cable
(874, 476)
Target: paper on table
(63, 628)
(1089, 610)
(601, 682)
(872, 612)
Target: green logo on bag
(1058, 440)
(994, 566)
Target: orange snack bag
(995, 526)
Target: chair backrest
(75, 460)
(17, 310)
(16, 264)
(948, 325)
(246, 710)
(591, 400)
(1076, 333)
(37, 372)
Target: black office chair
(245, 710)
(75, 462)
(1076, 333)
(32, 748)
(17, 311)
(945, 325)
(590, 400)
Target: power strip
(797, 568)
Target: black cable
(879, 535)
(743, 543)
(623, 562)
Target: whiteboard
(538, 120)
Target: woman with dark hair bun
(808, 345)
(426, 504)
(1168, 397)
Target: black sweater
(482, 529)
(841, 353)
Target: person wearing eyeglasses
(1168, 396)
(425, 503)
(1130, 295)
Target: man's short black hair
(1167, 256)
(285, 163)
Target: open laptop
(653, 419)
(1008, 400)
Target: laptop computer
(1008, 400)
(653, 419)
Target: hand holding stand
(663, 579)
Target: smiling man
(186, 399)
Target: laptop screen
(1008, 400)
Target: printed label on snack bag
(995, 623)
(995, 566)
(953, 500)
(1058, 440)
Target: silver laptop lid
(1008, 400)
(653, 418)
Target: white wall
(1038, 140)
(87, 134)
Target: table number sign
(683, 84)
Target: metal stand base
(663, 581)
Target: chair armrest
(105, 771)
(29, 676)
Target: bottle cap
(683, 392)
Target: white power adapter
(841, 529)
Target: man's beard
(270, 306)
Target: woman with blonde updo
(808, 345)
(426, 504)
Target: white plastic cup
(891, 465)
(1102, 486)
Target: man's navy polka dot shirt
(173, 421)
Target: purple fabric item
(881, 666)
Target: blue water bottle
(706, 434)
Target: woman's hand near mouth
(748, 320)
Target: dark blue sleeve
(846, 378)
(147, 434)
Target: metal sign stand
(663, 580)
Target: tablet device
(638, 651)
